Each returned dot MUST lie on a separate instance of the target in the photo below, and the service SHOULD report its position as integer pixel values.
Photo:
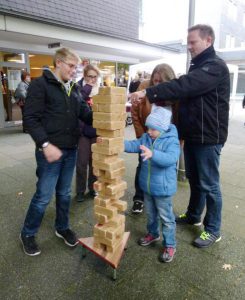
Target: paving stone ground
(61, 273)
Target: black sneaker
(68, 236)
(206, 239)
(183, 220)
(80, 197)
(30, 246)
(148, 239)
(92, 193)
(137, 207)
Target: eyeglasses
(92, 77)
(71, 66)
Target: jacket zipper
(149, 167)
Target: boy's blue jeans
(56, 176)
(160, 208)
(202, 171)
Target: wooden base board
(113, 259)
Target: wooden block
(108, 125)
(120, 205)
(104, 158)
(111, 108)
(114, 174)
(112, 91)
(118, 220)
(114, 232)
(98, 172)
(112, 99)
(112, 189)
(106, 150)
(110, 133)
(109, 211)
(110, 181)
(117, 196)
(95, 107)
(110, 142)
(98, 186)
(111, 166)
(101, 219)
(105, 202)
(98, 230)
(100, 116)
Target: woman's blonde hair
(89, 68)
(64, 53)
(165, 71)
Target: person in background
(21, 92)
(159, 152)
(84, 170)
(140, 111)
(52, 110)
(204, 95)
(134, 84)
(243, 105)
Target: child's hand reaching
(146, 154)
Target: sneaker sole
(68, 244)
(155, 240)
(29, 254)
(137, 211)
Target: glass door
(11, 66)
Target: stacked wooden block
(109, 120)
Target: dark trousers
(202, 171)
(84, 169)
(139, 195)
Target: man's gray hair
(204, 31)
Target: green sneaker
(183, 219)
(206, 239)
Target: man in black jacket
(203, 125)
(52, 109)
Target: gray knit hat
(159, 118)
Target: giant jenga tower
(109, 237)
(109, 120)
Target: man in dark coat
(203, 125)
(52, 110)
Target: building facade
(104, 33)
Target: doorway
(11, 66)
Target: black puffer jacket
(204, 99)
(52, 115)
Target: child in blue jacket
(160, 150)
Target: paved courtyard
(61, 273)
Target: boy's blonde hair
(64, 53)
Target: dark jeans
(56, 176)
(139, 195)
(202, 171)
(84, 169)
